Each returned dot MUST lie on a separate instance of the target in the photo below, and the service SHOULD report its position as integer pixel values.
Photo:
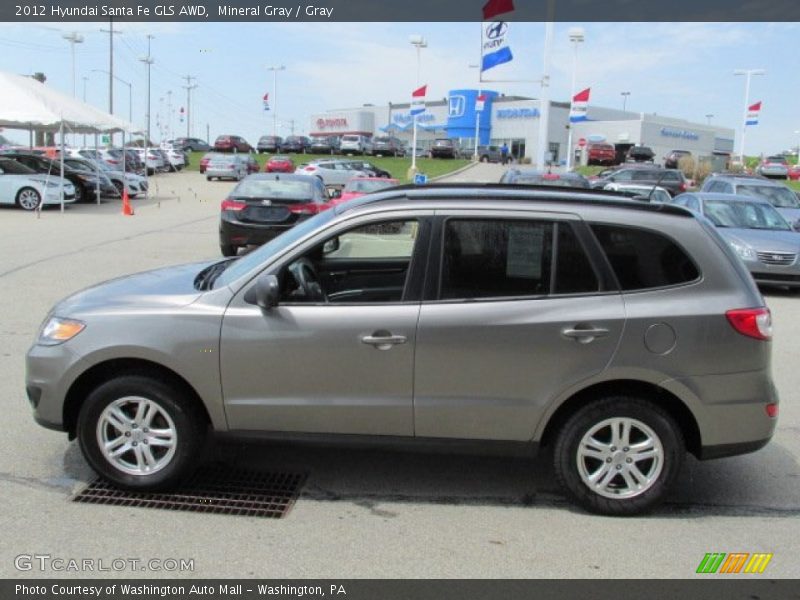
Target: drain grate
(217, 490)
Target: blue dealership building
(516, 121)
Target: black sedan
(85, 182)
(296, 144)
(264, 205)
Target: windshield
(274, 188)
(778, 196)
(248, 262)
(365, 186)
(744, 215)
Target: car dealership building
(515, 120)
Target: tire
(228, 249)
(171, 411)
(80, 194)
(484, 159)
(28, 199)
(616, 497)
(120, 187)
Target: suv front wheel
(619, 455)
(140, 433)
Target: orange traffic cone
(127, 209)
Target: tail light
(306, 209)
(752, 322)
(309, 168)
(682, 187)
(772, 410)
(229, 204)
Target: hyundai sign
(462, 116)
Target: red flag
(582, 96)
(756, 106)
(496, 7)
(420, 92)
(266, 96)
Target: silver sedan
(759, 235)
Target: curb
(456, 172)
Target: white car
(227, 166)
(355, 144)
(135, 184)
(334, 173)
(176, 158)
(153, 160)
(28, 189)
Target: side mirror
(265, 293)
(331, 245)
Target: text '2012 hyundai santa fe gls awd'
(623, 334)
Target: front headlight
(57, 331)
(744, 252)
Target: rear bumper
(234, 232)
(725, 450)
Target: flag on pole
(181, 113)
(266, 101)
(496, 7)
(480, 101)
(418, 100)
(580, 104)
(752, 113)
(494, 45)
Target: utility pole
(111, 33)
(169, 114)
(291, 126)
(148, 60)
(189, 87)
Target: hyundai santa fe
(621, 334)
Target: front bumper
(49, 373)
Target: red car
(601, 154)
(204, 161)
(794, 172)
(358, 186)
(279, 164)
(229, 143)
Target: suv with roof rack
(621, 334)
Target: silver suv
(619, 333)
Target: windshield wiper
(205, 279)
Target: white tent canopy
(25, 103)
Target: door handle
(383, 341)
(585, 335)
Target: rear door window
(497, 258)
(644, 259)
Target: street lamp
(73, 38)
(748, 73)
(419, 43)
(275, 96)
(624, 99)
(576, 36)
(709, 117)
(477, 113)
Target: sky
(682, 70)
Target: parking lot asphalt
(362, 513)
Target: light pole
(477, 113)
(130, 91)
(624, 99)
(275, 96)
(73, 38)
(709, 117)
(576, 36)
(419, 43)
(748, 73)
(148, 61)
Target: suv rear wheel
(619, 455)
(140, 433)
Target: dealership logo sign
(496, 30)
(458, 106)
(407, 117)
(518, 113)
(679, 133)
(332, 123)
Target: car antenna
(655, 185)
